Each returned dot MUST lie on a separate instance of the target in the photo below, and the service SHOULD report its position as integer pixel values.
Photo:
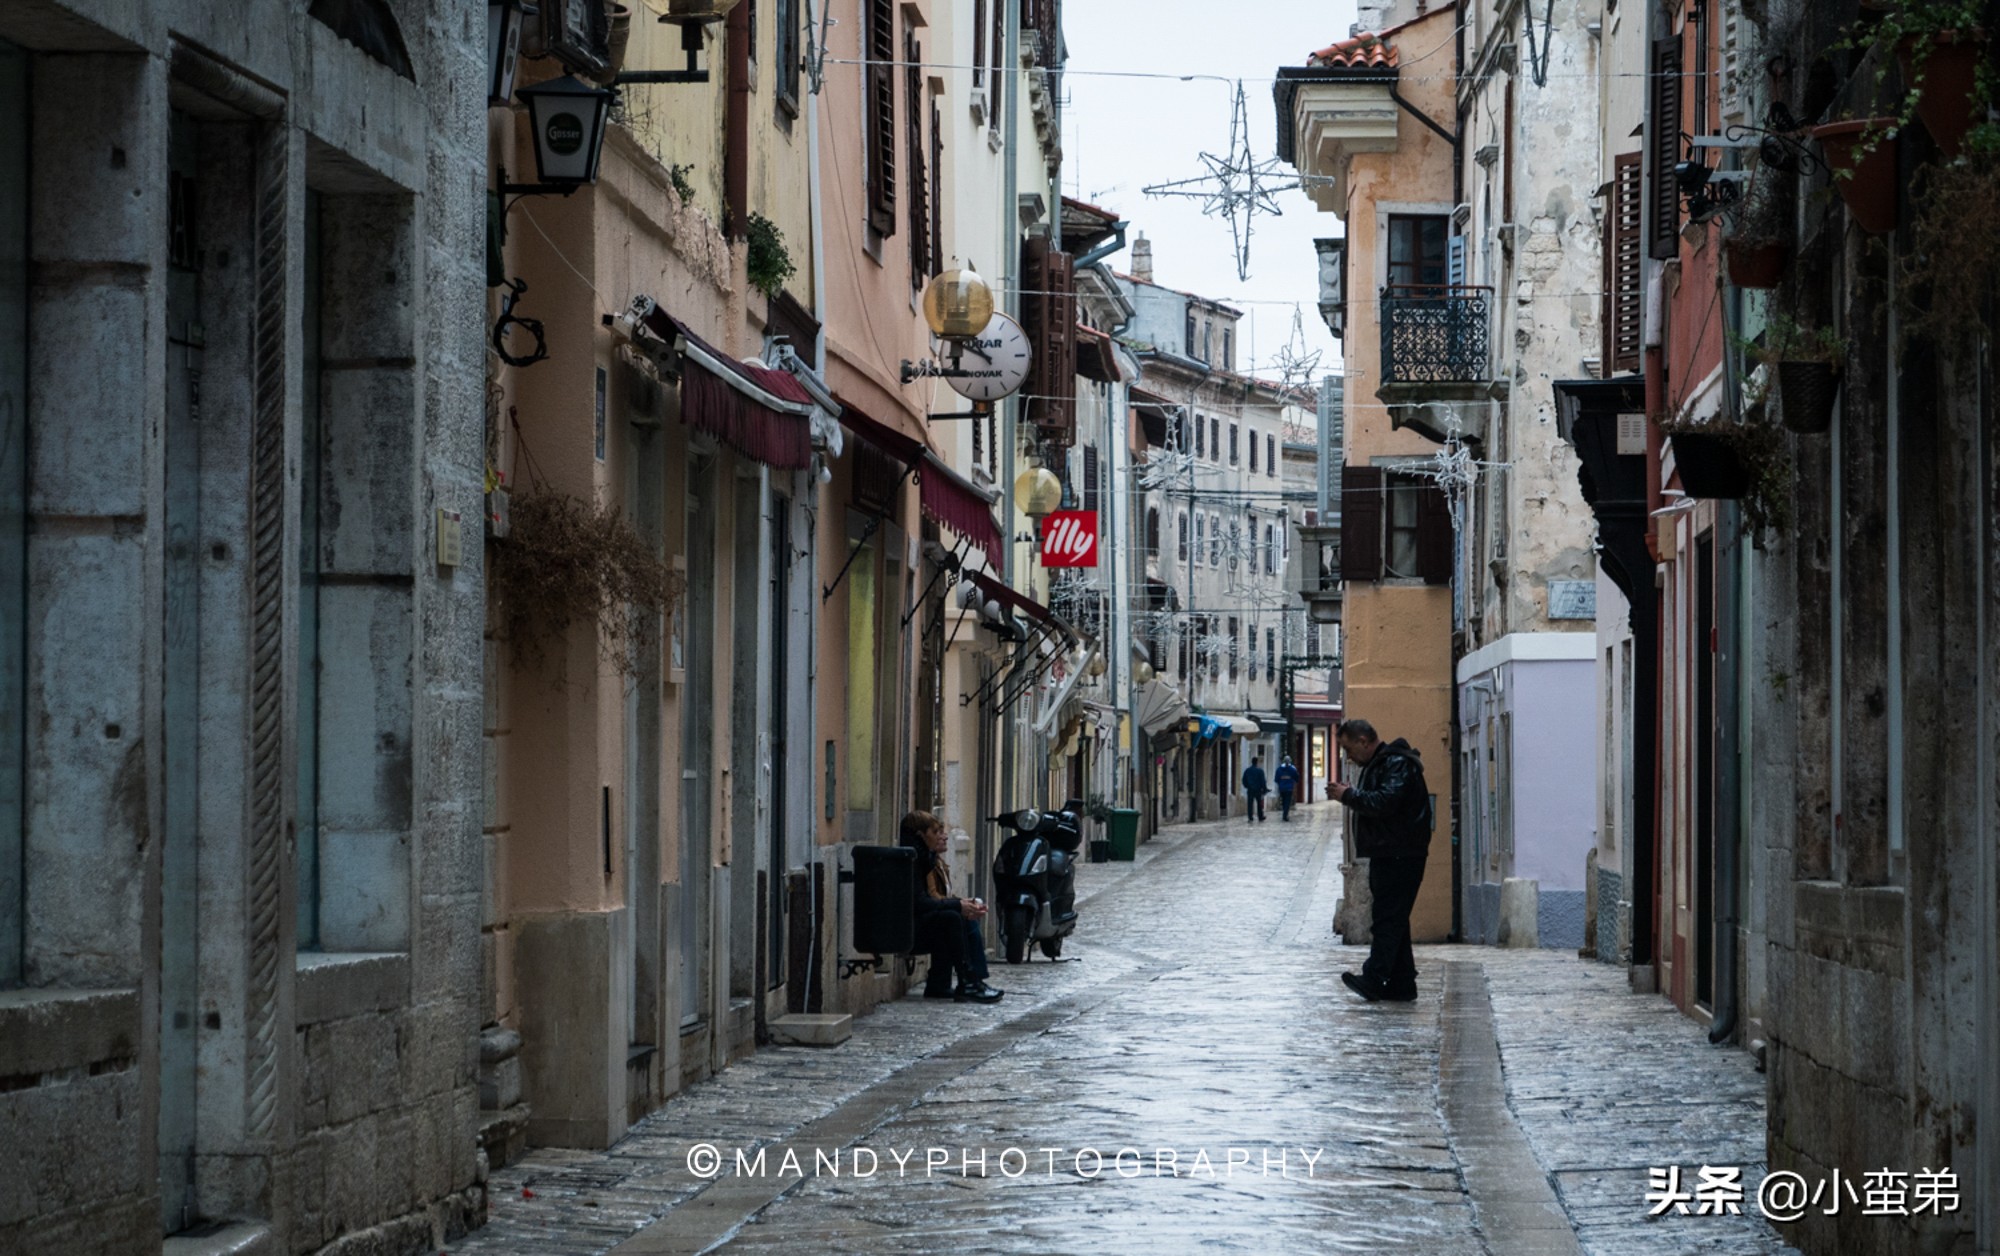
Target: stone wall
(330, 1020)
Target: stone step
(813, 1029)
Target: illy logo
(1069, 539)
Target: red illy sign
(1069, 539)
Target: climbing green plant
(770, 265)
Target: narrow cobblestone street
(1203, 1014)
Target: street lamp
(957, 304)
(503, 46)
(1038, 492)
(568, 117)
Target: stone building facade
(238, 862)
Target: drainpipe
(1730, 609)
(1009, 269)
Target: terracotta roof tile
(1371, 50)
(1363, 52)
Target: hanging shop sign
(1069, 539)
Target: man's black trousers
(955, 945)
(1392, 883)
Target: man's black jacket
(1391, 804)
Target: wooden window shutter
(1624, 268)
(881, 116)
(1090, 474)
(1663, 196)
(913, 127)
(937, 186)
(1434, 535)
(1048, 307)
(1362, 492)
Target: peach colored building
(1367, 141)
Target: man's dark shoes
(1361, 986)
(979, 992)
(1399, 996)
(937, 992)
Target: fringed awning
(757, 411)
(947, 498)
(957, 503)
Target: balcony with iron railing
(1437, 362)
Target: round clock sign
(995, 362)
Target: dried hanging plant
(566, 562)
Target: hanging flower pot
(1754, 263)
(1861, 152)
(1710, 464)
(1806, 393)
(1950, 66)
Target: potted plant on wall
(1756, 251)
(1861, 154)
(1720, 460)
(1806, 363)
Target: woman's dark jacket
(1391, 804)
(933, 881)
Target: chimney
(1142, 259)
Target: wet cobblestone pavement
(1260, 1107)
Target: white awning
(1160, 705)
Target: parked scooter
(1034, 878)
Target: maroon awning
(1008, 597)
(755, 410)
(959, 504)
(947, 497)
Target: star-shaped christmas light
(1238, 187)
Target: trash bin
(1124, 833)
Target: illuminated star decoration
(1297, 361)
(1238, 187)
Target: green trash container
(1124, 833)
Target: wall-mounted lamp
(568, 117)
(503, 46)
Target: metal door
(780, 724)
(180, 682)
(697, 744)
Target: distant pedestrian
(1286, 778)
(1254, 787)
(1391, 806)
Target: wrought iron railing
(1436, 333)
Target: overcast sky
(1122, 134)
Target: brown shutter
(1623, 268)
(1048, 308)
(881, 116)
(1663, 197)
(1090, 473)
(1434, 535)
(913, 127)
(1361, 510)
(937, 186)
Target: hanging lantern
(1038, 492)
(957, 304)
(568, 116)
(503, 48)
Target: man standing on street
(1286, 778)
(1391, 809)
(1254, 787)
